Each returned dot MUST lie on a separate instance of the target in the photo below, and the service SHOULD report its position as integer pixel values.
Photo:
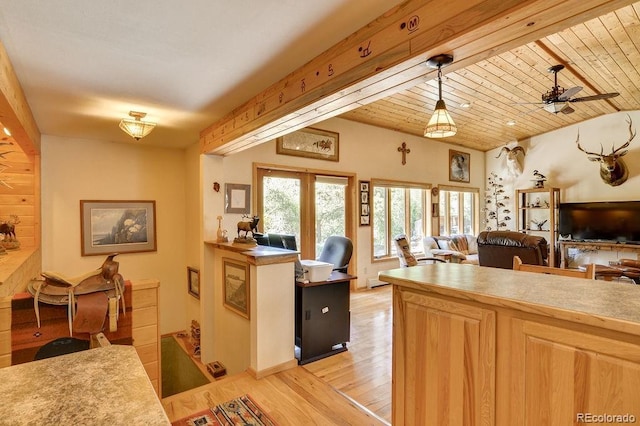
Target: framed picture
(365, 209)
(459, 166)
(310, 143)
(236, 286)
(117, 227)
(435, 209)
(193, 279)
(237, 198)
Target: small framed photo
(459, 167)
(193, 279)
(236, 286)
(237, 198)
(365, 206)
(114, 226)
(310, 143)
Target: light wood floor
(350, 388)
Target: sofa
(497, 249)
(458, 248)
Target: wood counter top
(257, 254)
(98, 386)
(604, 304)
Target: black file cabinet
(323, 319)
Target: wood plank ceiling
(601, 55)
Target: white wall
(76, 169)
(370, 152)
(192, 226)
(556, 156)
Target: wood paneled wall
(20, 195)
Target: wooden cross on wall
(404, 150)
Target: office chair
(337, 251)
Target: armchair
(497, 248)
(406, 257)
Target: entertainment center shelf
(585, 246)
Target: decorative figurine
(221, 235)
(538, 224)
(538, 179)
(8, 231)
(248, 226)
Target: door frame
(308, 246)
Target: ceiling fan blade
(595, 97)
(569, 93)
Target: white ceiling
(83, 64)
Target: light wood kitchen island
(478, 345)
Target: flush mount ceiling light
(441, 124)
(136, 128)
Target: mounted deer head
(613, 169)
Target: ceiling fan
(558, 99)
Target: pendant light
(441, 124)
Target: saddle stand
(88, 297)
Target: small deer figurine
(613, 169)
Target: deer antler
(632, 135)
(589, 152)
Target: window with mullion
(458, 211)
(398, 209)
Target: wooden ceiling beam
(15, 113)
(387, 56)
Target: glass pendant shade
(136, 128)
(441, 124)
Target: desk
(323, 319)
(99, 386)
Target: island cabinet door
(444, 361)
(561, 376)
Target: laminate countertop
(605, 304)
(102, 386)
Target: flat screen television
(609, 221)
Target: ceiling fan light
(556, 107)
(441, 124)
(136, 128)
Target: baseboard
(272, 370)
(374, 282)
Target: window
(398, 208)
(311, 206)
(458, 210)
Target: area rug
(238, 411)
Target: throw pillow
(443, 243)
(460, 242)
